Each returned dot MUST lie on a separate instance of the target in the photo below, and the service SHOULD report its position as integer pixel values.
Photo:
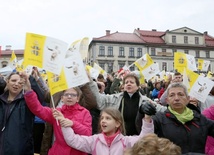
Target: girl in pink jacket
(110, 141)
(209, 113)
(77, 117)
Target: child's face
(70, 97)
(108, 124)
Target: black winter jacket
(16, 124)
(191, 136)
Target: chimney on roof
(8, 47)
(107, 32)
(154, 30)
(205, 33)
(138, 28)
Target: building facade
(6, 55)
(114, 50)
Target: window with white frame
(196, 40)
(186, 39)
(101, 51)
(132, 67)
(121, 64)
(164, 66)
(152, 51)
(207, 54)
(131, 52)
(110, 51)
(4, 63)
(173, 39)
(110, 67)
(197, 53)
(139, 52)
(102, 65)
(121, 52)
(186, 51)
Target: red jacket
(161, 92)
(78, 114)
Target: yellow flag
(34, 47)
(180, 61)
(56, 82)
(144, 62)
(20, 65)
(192, 77)
(88, 68)
(13, 57)
(13, 60)
(142, 79)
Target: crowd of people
(113, 115)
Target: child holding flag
(111, 140)
(80, 119)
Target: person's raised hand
(24, 81)
(147, 108)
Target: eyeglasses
(71, 95)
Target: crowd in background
(84, 110)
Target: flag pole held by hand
(57, 122)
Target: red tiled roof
(209, 40)
(120, 37)
(150, 33)
(152, 36)
(9, 52)
(153, 40)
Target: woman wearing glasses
(79, 117)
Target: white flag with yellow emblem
(92, 72)
(44, 52)
(201, 88)
(203, 65)
(144, 62)
(73, 73)
(101, 71)
(182, 60)
(151, 71)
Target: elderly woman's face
(177, 99)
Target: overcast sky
(69, 20)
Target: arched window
(4, 63)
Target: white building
(114, 50)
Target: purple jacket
(209, 113)
(96, 144)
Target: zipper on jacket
(196, 125)
(187, 127)
(3, 128)
(7, 114)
